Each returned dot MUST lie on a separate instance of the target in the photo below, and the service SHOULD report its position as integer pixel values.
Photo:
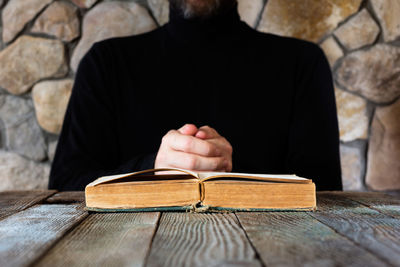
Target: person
(204, 92)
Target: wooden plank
(28, 234)
(296, 238)
(381, 202)
(105, 239)
(190, 239)
(14, 201)
(372, 230)
(67, 197)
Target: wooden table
(46, 228)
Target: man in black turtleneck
(269, 99)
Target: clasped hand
(197, 149)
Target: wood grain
(67, 197)
(381, 202)
(376, 232)
(294, 238)
(28, 234)
(105, 239)
(14, 201)
(189, 239)
(349, 228)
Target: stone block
(60, 19)
(160, 10)
(383, 171)
(359, 31)
(388, 13)
(309, 20)
(373, 73)
(23, 134)
(84, 3)
(17, 13)
(50, 99)
(332, 50)
(18, 173)
(111, 19)
(250, 10)
(352, 116)
(352, 161)
(28, 60)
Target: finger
(188, 129)
(191, 144)
(228, 166)
(222, 144)
(206, 132)
(179, 159)
(201, 134)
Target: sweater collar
(184, 32)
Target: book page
(109, 178)
(288, 178)
(203, 176)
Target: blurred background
(42, 42)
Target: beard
(201, 9)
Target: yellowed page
(262, 177)
(203, 176)
(109, 178)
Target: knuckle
(171, 132)
(187, 144)
(164, 139)
(167, 136)
(213, 164)
(219, 163)
(227, 164)
(208, 149)
(228, 146)
(208, 129)
(191, 162)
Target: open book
(157, 190)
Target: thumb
(188, 129)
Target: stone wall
(42, 42)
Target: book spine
(202, 191)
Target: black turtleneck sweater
(271, 97)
